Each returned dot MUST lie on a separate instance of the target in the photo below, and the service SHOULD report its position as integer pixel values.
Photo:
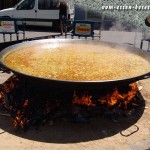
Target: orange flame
(9, 84)
(111, 99)
(84, 100)
(2, 99)
(1, 95)
(26, 103)
(19, 121)
(116, 97)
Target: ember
(29, 107)
(2, 99)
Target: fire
(23, 114)
(1, 95)
(7, 87)
(119, 98)
(111, 99)
(85, 100)
(26, 103)
(2, 99)
(20, 121)
(9, 84)
(131, 94)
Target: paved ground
(100, 134)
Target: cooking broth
(76, 62)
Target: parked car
(38, 12)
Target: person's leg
(61, 27)
(65, 25)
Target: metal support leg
(100, 30)
(10, 37)
(4, 39)
(17, 36)
(148, 46)
(135, 36)
(141, 44)
(23, 35)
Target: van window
(26, 5)
(47, 4)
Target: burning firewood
(33, 107)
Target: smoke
(117, 26)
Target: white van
(38, 12)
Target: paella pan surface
(76, 60)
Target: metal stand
(142, 41)
(13, 27)
(84, 28)
(4, 39)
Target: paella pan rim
(134, 78)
